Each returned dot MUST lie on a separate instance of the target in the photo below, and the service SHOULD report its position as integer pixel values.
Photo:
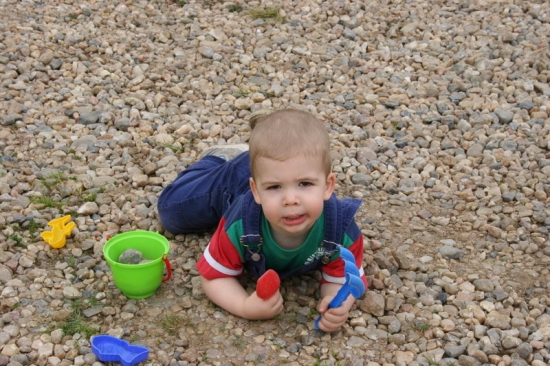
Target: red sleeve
(333, 272)
(220, 258)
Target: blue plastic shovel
(353, 286)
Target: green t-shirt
(280, 259)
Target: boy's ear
(254, 190)
(329, 186)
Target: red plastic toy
(268, 284)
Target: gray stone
(451, 252)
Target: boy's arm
(332, 319)
(219, 266)
(333, 272)
(227, 293)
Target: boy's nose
(290, 198)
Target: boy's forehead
(299, 164)
(290, 159)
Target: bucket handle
(168, 268)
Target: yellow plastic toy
(60, 230)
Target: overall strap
(251, 239)
(338, 216)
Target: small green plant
(90, 197)
(33, 228)
(75, 323)
(47, 202)
(53, 180)
(71, 261)
(395, 126)
(270, 14)
(241, 93)
(180, 2)
(239, 342)
(313, 313)
(17, 239)
(176, 149)
(431, 361)
(234, 8)
(172, 323)
(421, 326)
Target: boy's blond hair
(288, 133)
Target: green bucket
(138, 281)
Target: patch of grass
(431, 362)
(90, 197)
(421, 326)
(17, 239)
(53, 180)
(33, 228)
(239, 342)
(269, 14)
(72, 16)
(234, 8)
(47, 202)
(241, 93)
(172, 323)
(76, 323)
(71, 261)
(174, 148)
(58, 186)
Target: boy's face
(292, 193)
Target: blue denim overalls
(338, 216)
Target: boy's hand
(258, 308)
(229, 294)
(331, 319)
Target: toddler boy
(275, 208)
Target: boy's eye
(305, 184)
(273, 187)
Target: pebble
(439, 115)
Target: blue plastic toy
(354, 285)
(111, 349)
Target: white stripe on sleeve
(218, 266)
(340, 280)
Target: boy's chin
(296, 230)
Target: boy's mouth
(294, 220)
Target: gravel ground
(439, 118)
